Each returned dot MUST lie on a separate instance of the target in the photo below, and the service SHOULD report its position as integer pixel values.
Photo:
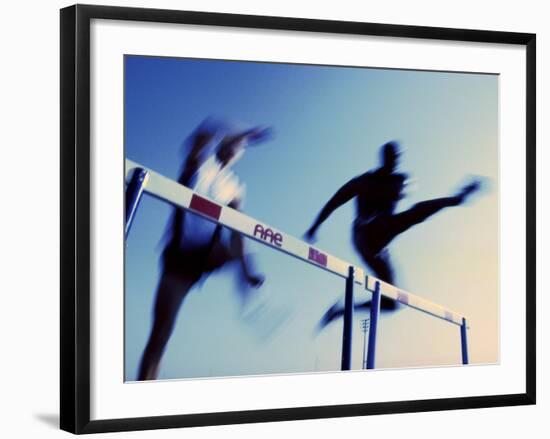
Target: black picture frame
(75, 217)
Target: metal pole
(134, 190)
(374, 313)
(348, 322)
(464, 340)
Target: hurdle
(141, 180)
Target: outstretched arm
(342, 196)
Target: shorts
(371, 237)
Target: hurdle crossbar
(181, 196)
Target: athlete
(376, 224)
(194, 246)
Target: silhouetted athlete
(196, 247)
(376, 224)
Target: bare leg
(419, 213)
(381, 265)
(423, 210)
(383, 270)
(171, 291)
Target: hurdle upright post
(374, 313)
(464, 341)
(348, 321)
(134, 191)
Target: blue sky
(328, 124)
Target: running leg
(423, 210)
(420, 212)
(170, 294)
(383, 269)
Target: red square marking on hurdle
(403, 298)
(317, 257)
(206, 207)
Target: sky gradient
(328, 124)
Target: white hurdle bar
(140, 179)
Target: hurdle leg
(134, 191)
(464, 341)
(348, 321)
(374, 313)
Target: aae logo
(266, 234)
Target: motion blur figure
(194, 246)
(376, 224)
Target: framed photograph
(273, 218)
